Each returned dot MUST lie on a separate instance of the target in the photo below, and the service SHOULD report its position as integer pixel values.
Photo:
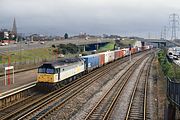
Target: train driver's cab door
(58, 72)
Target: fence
(32, 63)
(173, 92)
(26, 63)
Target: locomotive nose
(45, 78)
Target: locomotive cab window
(50, 71)
(42, 70)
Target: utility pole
(165, 32)
(174, 24)
(161, 35)
(149, 35)
(130, 52)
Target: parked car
(2, 44)
(42, 42)
(6, 43)
(175, 57)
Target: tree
(66, 36)
(69, 48)
(53, 46)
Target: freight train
(52, 75)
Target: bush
(167, 67)
(53, 46)
(69, 48)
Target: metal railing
(173, 92)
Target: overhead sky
(55, 17)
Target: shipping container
(121, 54)
(151, 46)
(147, 47)
(101, 59)
(136, 49)
(118, 54)
(91, 61)
(105, 57)
(110, 55)
(126, 51)
(139, 49)
(132, 50)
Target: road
(36, 44)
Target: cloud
(93, 16)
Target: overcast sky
(55, 17)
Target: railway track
(36, 104)
(8, 109)
(105, 105)
(55, 109)
(57, 105)
(137, 108)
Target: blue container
(91, 61)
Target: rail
(120, 84)
(39, 103)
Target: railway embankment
(165, 69)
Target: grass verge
(24, 55)
(169, 68)
(109, 46)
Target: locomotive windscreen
(46, 68)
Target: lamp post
(130, 52)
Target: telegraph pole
(149, 35)
(161, 35)
(165, 32)
(130, 52)
(174, 24)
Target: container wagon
(110, 55)
(118, 54)
(101, 59)
(91, 61)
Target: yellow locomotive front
(53, 75)
(47, 73)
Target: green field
(47, 53)
(24, 55)
(126, 42)
(169, 68)
(109, 46)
